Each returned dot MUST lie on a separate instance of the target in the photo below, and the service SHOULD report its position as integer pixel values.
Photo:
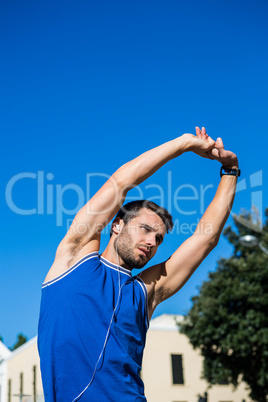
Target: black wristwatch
(230, 172)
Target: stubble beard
(124, 247)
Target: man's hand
(203, 145)
(227, 158)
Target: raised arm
(84, 233)
(163, 280)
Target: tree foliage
(228, 321)
(21, 339)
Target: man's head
(138, 229)
(133, 208)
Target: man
(94, 314)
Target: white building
(4, 354)
(171, 370)
(21, 379)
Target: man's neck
(111, 255)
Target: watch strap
(230, 172)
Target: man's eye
(145, 228)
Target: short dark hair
(132, 209)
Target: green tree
(21, 339)
(1, 339)
(228, 320)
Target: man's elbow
(120, 179)
(213, 242)
(208, 243)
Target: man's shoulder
(67, 257)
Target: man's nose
(150, 240)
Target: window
(177, 370)
(34, 383)
(9, 390)
(21, 383)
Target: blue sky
(87, 86)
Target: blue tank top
(90, 342)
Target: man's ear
(116, 226)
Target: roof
(4, 351)
(26, 345)
(166, 322)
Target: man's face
(139, 239)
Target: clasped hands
(202, 144)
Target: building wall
(22, 361)
(163, 339)
(4, 354)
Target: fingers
(207, 138)
(204, 134)
(219, 144)
(215, 153)
(198, 132)
(201, 133)
(210, 154)
(210, 143)
(220, 147)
